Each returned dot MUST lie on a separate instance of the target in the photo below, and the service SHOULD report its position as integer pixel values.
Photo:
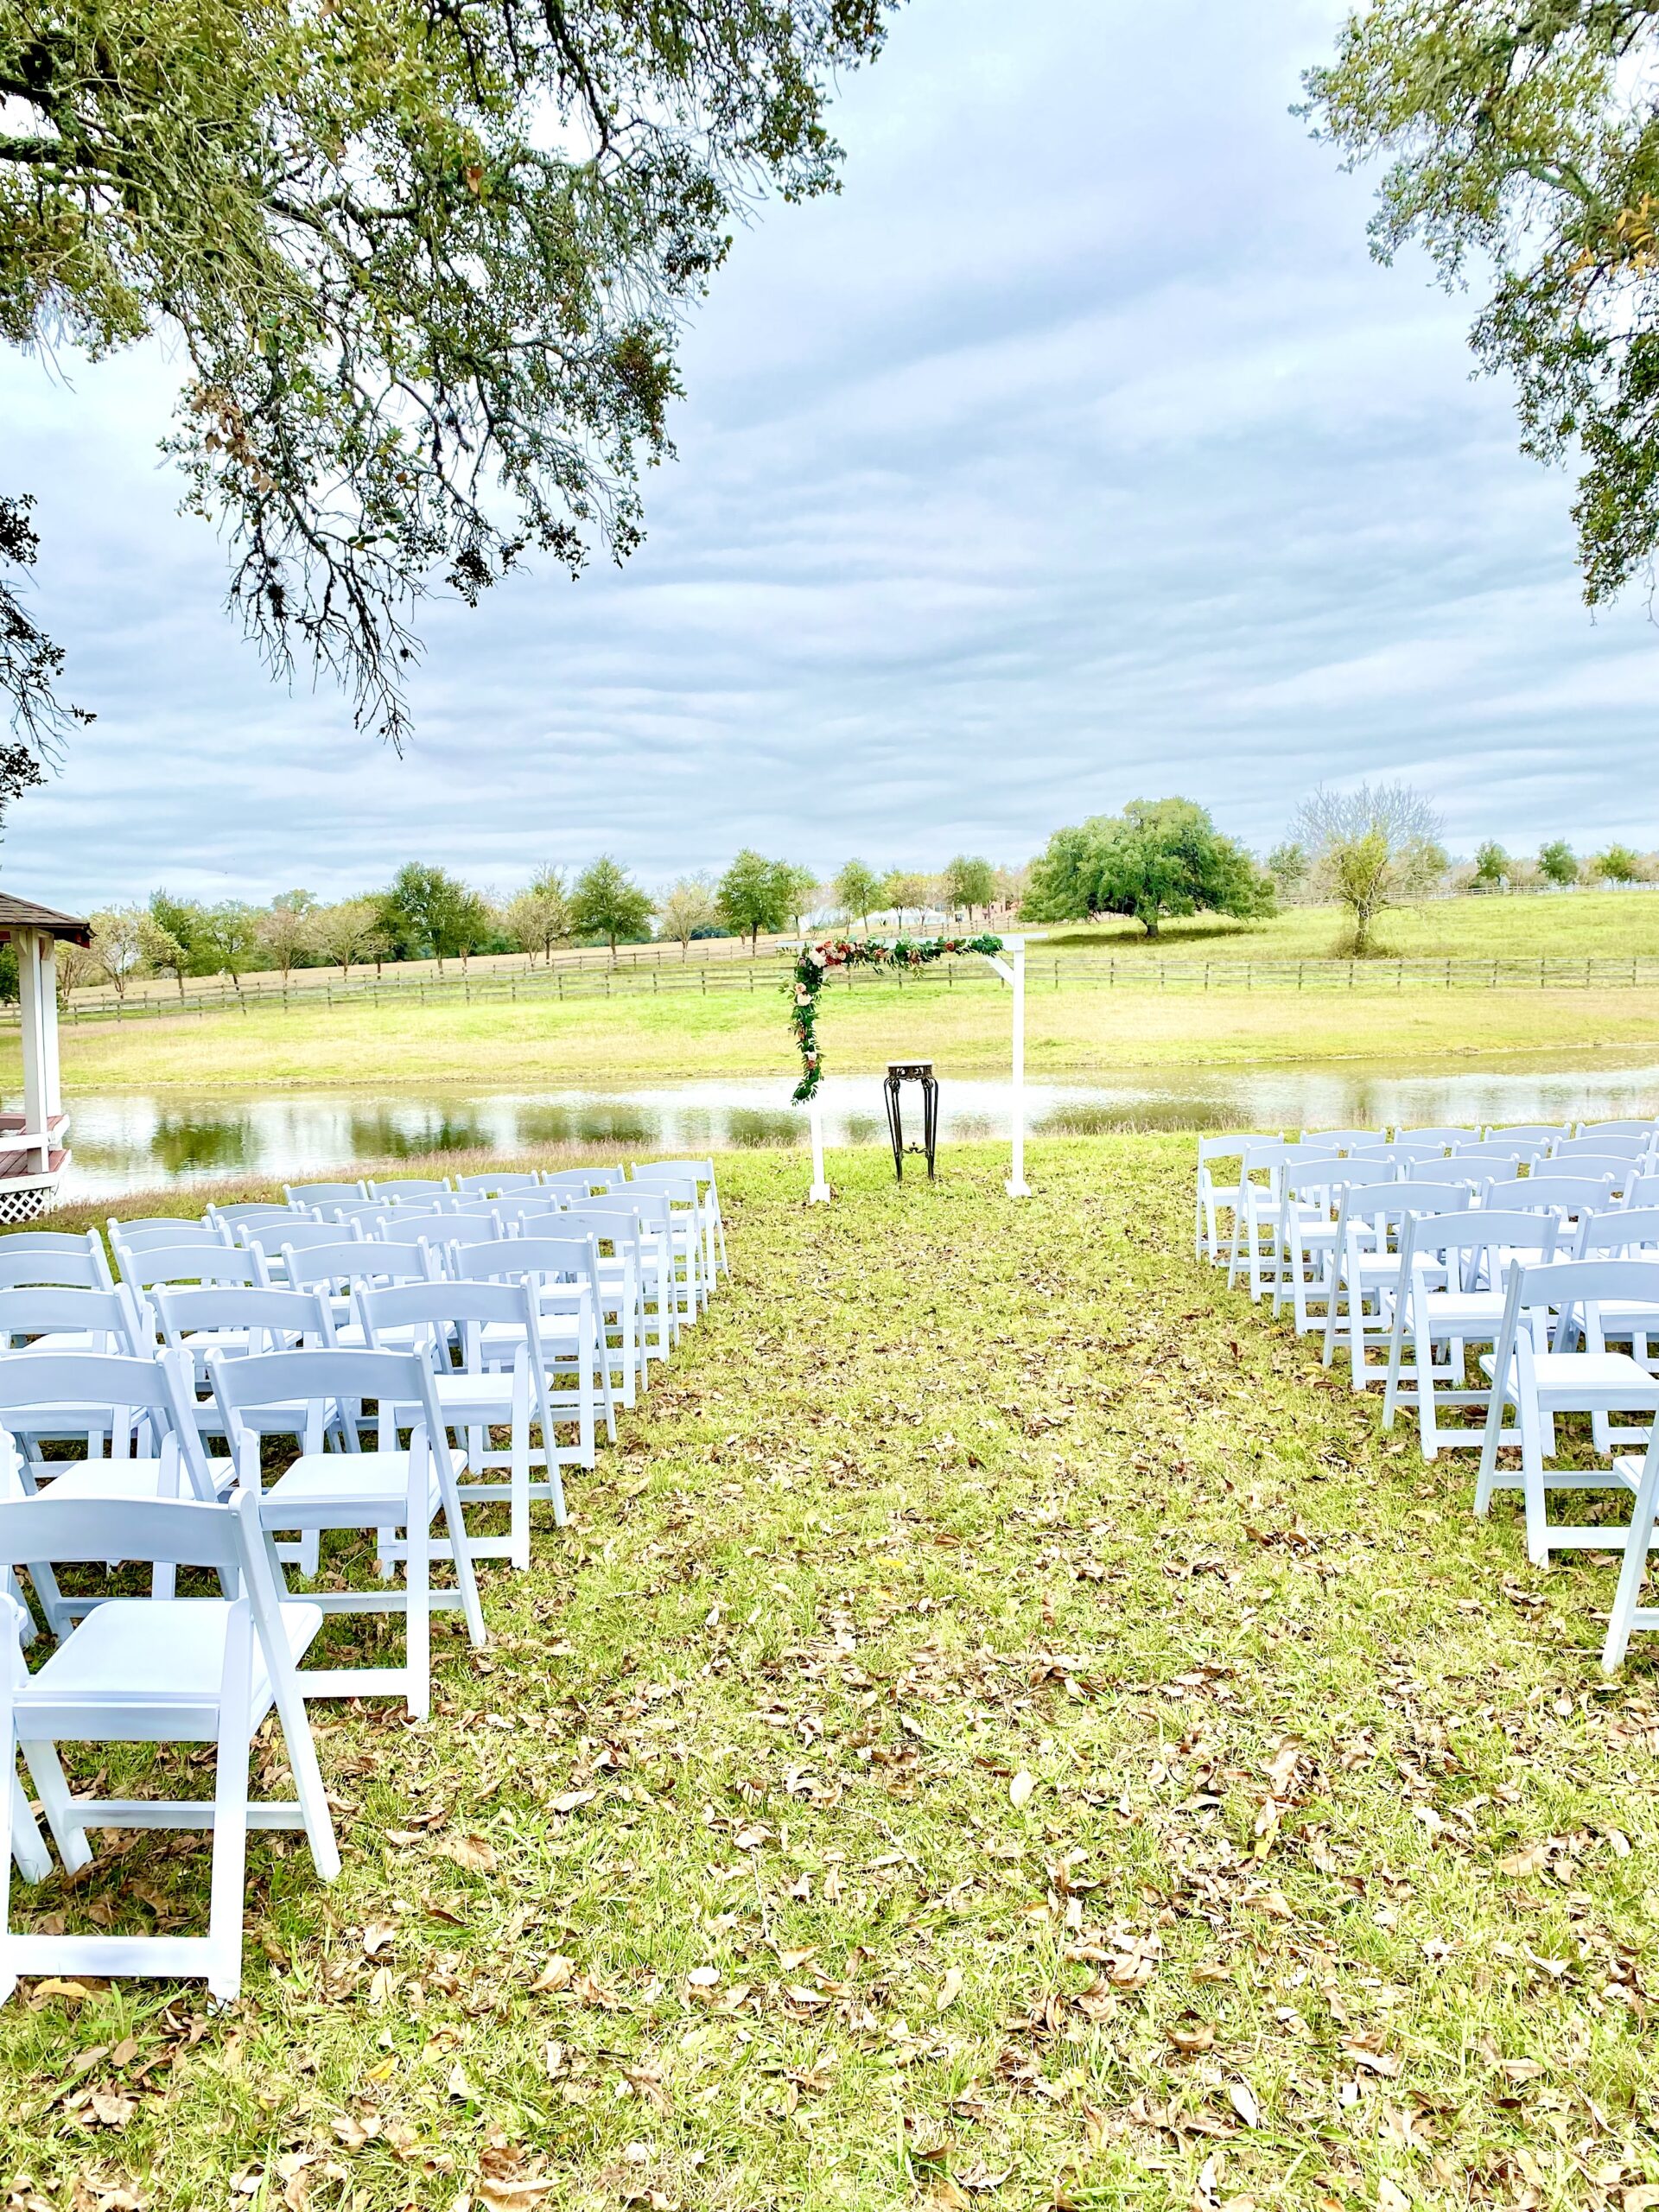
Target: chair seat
(106, 1479)
(139, 1654)
(1372, 1266)
(1572, 1382)
(339, 1482)
(483, 1394)
(1471, 1310)
(502, 1339)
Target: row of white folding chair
(1496, 1275)
(304, 1496)
(389, 1489)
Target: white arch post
(1011, 970)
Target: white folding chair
(1543, 1132)
(404, 1188)
(1628, 1613)
(1366, 1265)
(1605, 1144)
(335, 1270)
(49, 1319)
(141, 1404)
(501, 1382)
(323, 1194)
(1541, 1379)
(1453, 1270)
(495, 1185)
(1449, 1136)
(1502, 1155)
(384, 1489)
(28, 1261)
(1312, 1181)
(191, 1670)
(204, 1262)
(662, 1296)
(582, 1180)
(1570, 1195)
(563, 1272)
(667, 1174)
(621, 1273)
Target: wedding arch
(815, 963)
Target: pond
(128, 1143)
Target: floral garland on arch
(817, 962)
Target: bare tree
(686, 907)
(1369, 849)
(119, 946)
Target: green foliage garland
(817, 962)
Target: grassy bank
(1070, 1032)
(1000, 1728)
(1582, 924)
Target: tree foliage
(756, 893)
(858, 890)
(425, 265)
(969, 882)
(1557, 863)
(1618, 864)
(429, 914)
(606, 903)
(29, 662)
(1527, 135)
(1491, 867)
(1158, 858)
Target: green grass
(1599, 924)
(999, 1727)
(1073, 1031)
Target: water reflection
(201, 1144)
(122, 1143)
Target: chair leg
(417, 1605)
(1633, 1567)
(518, 1477)
(309, 1786)
(228, 1893)
(20, 1837)
(466, 1580)
(1532, 1482)
(52, 1788)
(1486, 1481)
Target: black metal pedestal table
(900, 1072)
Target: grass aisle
(999, 1730)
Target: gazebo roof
(24, 914)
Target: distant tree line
(1366, 851)
(427, 913)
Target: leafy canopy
(1526, 133)
(425, 263)
(606, 902)
(1158, 858)
(756, 893)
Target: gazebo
(33, 1154)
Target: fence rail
(1054, 971)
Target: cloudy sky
(1077, 451)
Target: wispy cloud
(1076, 450)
